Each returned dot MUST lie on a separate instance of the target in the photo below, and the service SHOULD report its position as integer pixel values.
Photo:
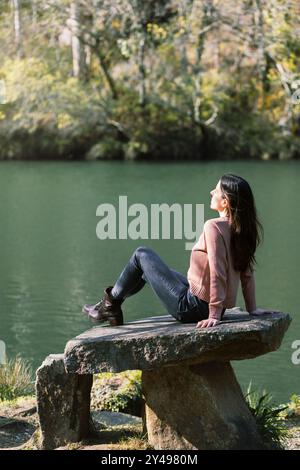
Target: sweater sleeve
(248, 289)
(218, 265)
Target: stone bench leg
(63, 403)
(197, 407)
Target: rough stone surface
(198, 407)
(63, 403)
(155, 342)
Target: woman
(223, 256)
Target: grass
(15, 379)
(133, 443)
(293, 407)
(128, 437)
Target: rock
(155, 342)
(193, 400)
(198, 407)
(118, 392)
(63, 403)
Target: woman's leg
(143, 281)
(180, 277)
(146, 266)
(137, 288)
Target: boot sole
(111, 321)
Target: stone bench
(193, 400)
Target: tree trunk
(17, 26)
(197, 68)
(105, 70)
(142, 70)
(198, 79)
(260, 43)
(78, 51)
(34, 11)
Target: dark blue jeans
(172, 288)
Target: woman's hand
(207, 323)
(262, 311)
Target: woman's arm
(248, 288)
(216, 252)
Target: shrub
(268, 417)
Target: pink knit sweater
(211, 274)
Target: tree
(17, 26)
(78, 51)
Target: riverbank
(147, 135)
(114, 431)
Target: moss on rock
(118, 392)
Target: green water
(52, 261)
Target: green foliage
(40, 96)
(50, 116)
(15, 379)
(108, 149)
(131, 389)
(152, 87)
(292, 408)
(268, 417)
(156, 131)
(248, 132)
(295, 404)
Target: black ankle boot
(108, 309)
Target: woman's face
(218, 201)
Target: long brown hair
(246, 229)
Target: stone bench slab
(159, 341)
